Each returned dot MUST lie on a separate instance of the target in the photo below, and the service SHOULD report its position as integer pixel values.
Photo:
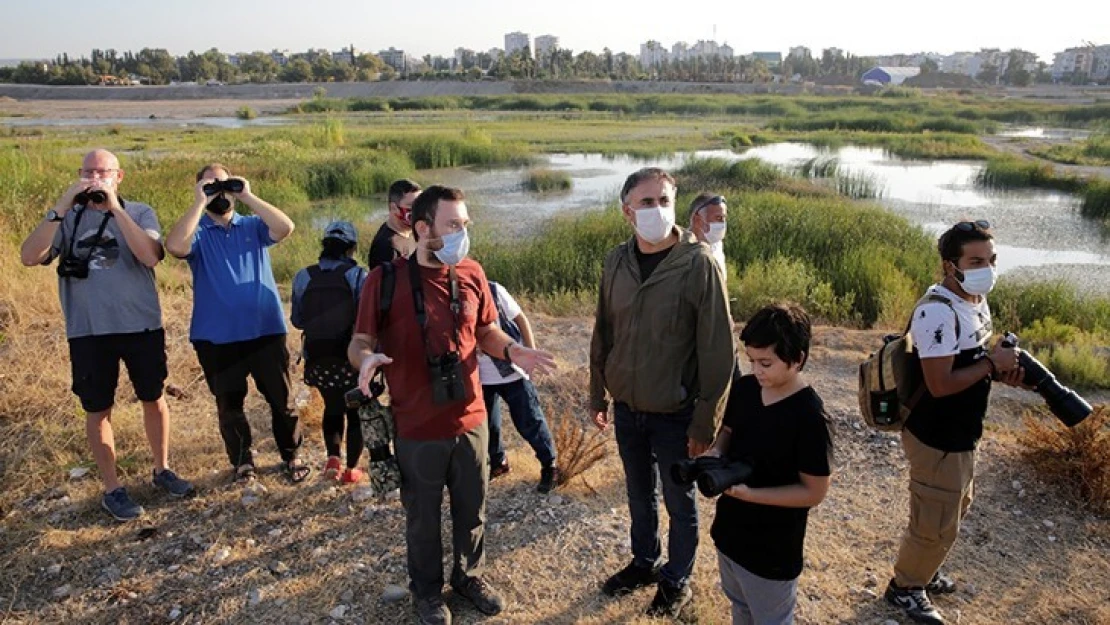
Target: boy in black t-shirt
(776, 423)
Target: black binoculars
(714, 475)
(73, 267)
(231, 185)
(95, 196)
(1065, 404)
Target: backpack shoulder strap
(314, 271)
(385, 300)
(933, 297)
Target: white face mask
(716, 232)
(455, 247)
(979, 281)
(654, 224)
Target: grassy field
(301, 552)
(1094, 150)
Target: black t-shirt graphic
(788, 437)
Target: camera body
(714, 475)
(231, 185)
(95, 196)
(445, 372)
(73, 267)
(1067, 405)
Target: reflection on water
(1035, 132)
(1035, 228)
(176, 122)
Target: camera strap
(417, 286)
(99, 233)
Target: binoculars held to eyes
(231, 185)
(1065, 404)
(714, 475)
(95, 196)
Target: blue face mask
(455, 247)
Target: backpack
(329, 310)
(504, 367)
(890, 380)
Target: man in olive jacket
(662, 347)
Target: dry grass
(580, 445)
(546, 554)
(1077, 459)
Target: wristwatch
(52, 215)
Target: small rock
(249, 500)
(62, 592)
(1051, 539)
(221, 555)
(254, 597)
(255, 488)
(556, 500)
(1016, 485)
(173, 568)
(77, 473)
(1048, 523)
(53, 569)
(319, 552)
(347, 597)
(362, 493)
(338, 612)
(969, 588)
(890, 621)
(175, 614)
(867, 592)
(251, 542)
(274, 533)
(871, 582)
(279, 568)
(394, 593)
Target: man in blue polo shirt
(238, 326)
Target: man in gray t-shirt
(107, 249)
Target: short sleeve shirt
(410, 389)
(235, 297)
(119, 296)
(487, 371)
(778, 441)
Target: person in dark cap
(325, 299)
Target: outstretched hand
(368, 368)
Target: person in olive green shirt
(662, 350)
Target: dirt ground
(317, 553)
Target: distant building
(546, 45)
(653, 54)
(397, 59)
(799, 52)
(281, 57)
(346, 55)
(772, 59)
(680, 51)
(1100, 63)
(889, 75)
(1091, 62)
(517, 41)
(465, 58)
(726, 51)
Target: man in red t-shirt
(442, 434)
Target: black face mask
(219, 205)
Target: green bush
(246, 112)
(782, 279)
(1083, 365)
(1096, 200)
(544, 180)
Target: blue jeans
(649, 443)
(527, 416)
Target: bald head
(102, 164)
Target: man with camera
(951, 333)
(238, 326)
(441, 314)
(662, 349)
(107, 250)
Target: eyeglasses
(978, 224)
(716, 199)
(101, 173)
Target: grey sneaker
(669, 600)
(915, 602)
(120, 505)
(432, 611)
(168, 481)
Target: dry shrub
(579, 445)
(1077, 459)
(310, 405)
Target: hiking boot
(914, 602)
(432, 611)
(121, 506)
(481, 594)
(630, 578)
(941, 584)
(549, 479)
(669, 600)
(499, 470)
(168, 481)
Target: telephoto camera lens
(1065, 404)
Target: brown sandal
(296, 471)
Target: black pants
(226, 367)
(335, 414)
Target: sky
(36, 29)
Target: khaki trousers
(940, 494)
